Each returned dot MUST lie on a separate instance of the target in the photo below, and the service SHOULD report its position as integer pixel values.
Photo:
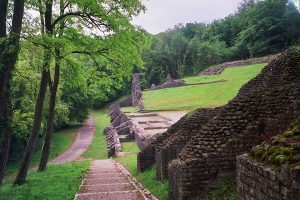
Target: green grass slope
(59, 182)
(202, 96)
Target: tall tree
(22, 173)
(9, 49)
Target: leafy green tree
(9, 49)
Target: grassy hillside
(202, 96)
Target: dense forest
(257, 28)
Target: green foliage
(258, 28)
(61, 141)
(225, 191)
(98, 49)
(201, 96)
(49, 185)
(280, 149)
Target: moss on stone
(281, 149)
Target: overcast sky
(163, 14)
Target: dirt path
(107, 179)
(83, 140)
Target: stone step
(108, 180)
(100, 180)
(111, 187)
(121, 195)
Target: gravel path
(83, 140)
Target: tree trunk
(52, 102)
(22, 173)
(5, 128)
(9, 50)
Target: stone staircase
(109, 180)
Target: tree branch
(61, 17)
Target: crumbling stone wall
(258, 181)
(146, 158)
(113, 142)
(168, 84)
(220, 68)
(120, 124)
(136, 91)
(172, 141)
(169, 148)
(265, 106)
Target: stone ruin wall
(220, 68)
(168, 84)
(136, 91)
(120, 124)
(169, 148)
(264, 107)
(258, 181)
(146, 157)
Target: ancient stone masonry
(136, 91)
(220, 68)
(120, 125)
(168, 84)
(258, 181)
(113, 142)
(264, 107)
(167, 146)
(272, 169)
(146, 157)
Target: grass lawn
(129, 109)
(61, 141)
(147, 178)
(202, 96)
(98, 147)
(59, 182)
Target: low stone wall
(258, 181)
(168, 84)
(113, 142)
(120, 125)
(220, 68)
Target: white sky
(163, 14)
